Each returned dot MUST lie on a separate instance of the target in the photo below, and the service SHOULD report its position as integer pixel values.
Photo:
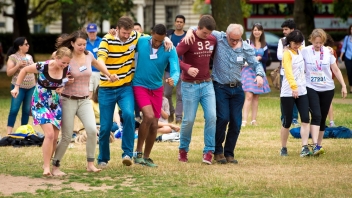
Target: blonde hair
(318, 33)
(63, 51)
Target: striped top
(29, 80)
(119, 58)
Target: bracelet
(17, 84)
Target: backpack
(337, 132)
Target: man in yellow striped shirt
(117, 53)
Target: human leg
(190, 99)
(331, 116)
(233, 131)
(314, 107)
(126, 104)
(14, 108)
(69, 109)
(86, 115)
(207, 101)
(246, 106)
(302, 104)
(168, 94)
(179, 106)
(26, 105)
(325, 102)
(348, 65)
(287, 107)
(107, 102)
(255, 101)
(47, 146)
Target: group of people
(66, 84)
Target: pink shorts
(144, 97)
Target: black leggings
(319, 105)
(287, 108)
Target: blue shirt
(175, 39)
(94, 49)
(149, 72)
(228, 62)
(347, 47)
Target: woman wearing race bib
(320, 85)
(293, 91)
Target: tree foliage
(342, 9)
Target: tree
(226, 12)
(21, 15)
(303, 14)
(342, 9)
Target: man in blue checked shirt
(230, 56)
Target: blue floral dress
(46, 105)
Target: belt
(115, 87)
(197, 81)
(75, 97)
(235, 84)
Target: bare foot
(175, 127)
(92, 168)
(47, 173)
(57, 172)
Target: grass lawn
(261, 171)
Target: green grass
(261, 172)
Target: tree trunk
(69, 21)
(20, 21)
(303, 13)
(226, 12)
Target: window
(170, 14)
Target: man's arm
(174, 66)
(181, 49)
(279, 51)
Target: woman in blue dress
(46, 105)
(252, 91)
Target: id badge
(65, 80)
(132, 47)
(211, 48)
(95, 50)
(153, 56)
(82, 68)
(239, 59)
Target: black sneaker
(159, 138)
(283, 151)
(305, 151)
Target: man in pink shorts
(148, 87)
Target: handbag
(275, 78)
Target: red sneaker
(182, 155)
(207, 157)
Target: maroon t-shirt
(196, 55)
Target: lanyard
(319, 66)
(151, 47)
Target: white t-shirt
(298, 74)
(280, 51)
(317, 65)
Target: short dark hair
(180, 16)
(159, 29)
(295, 36)
(208, 22)
(137, 24)
(289, 23)
(125, 22)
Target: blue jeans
(108, 97)
(295, 110)
(24, 97)
(229, 104)
(192, 95)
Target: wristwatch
(259, 75)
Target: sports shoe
(182, 155)
(295, 123)
(102, 165)
(178, 120)
(305, 151)
(126, 160)
(139, 159)
(207, 157)
(332, 124)
(317, 150)
(149, 162)
(283, 151)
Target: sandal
(244, 123)
(254, 123)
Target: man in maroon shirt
(197, 87)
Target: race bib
(317, 77)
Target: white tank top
(298, 74)
(317, 65)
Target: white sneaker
(332, 124)
(103, 165)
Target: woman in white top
(293, 91)
(320, 85)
